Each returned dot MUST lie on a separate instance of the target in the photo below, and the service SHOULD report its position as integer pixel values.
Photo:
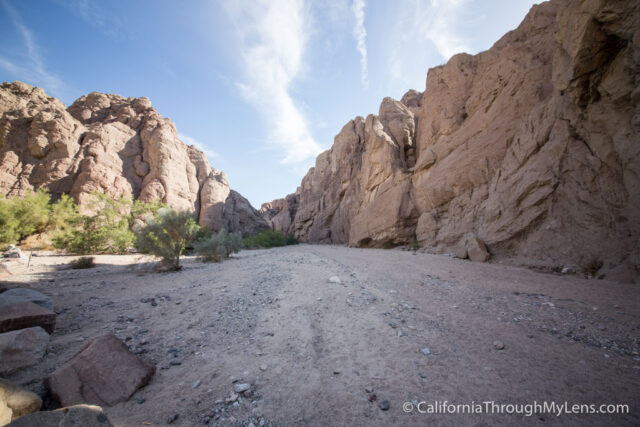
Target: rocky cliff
(112, 145)
(531, 148)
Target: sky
(261, 86)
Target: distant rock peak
(113, 145)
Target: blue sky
(261, 86)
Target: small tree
(167, 236)
(218, 246)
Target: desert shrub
(166, 235)
(269, 239)
(218, 246)
(83, 262)
(106, 231)
(143, 210)
(204, 233)
(22, 216)
(415, 245)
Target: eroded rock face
(531, 147)
(105, 143)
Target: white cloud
(360, 34)
(199, 145)
(273, 36)
(34, 69)
(442, 19)
(425, 33)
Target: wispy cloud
(92, 13)
(199, 145)
(432, 30)
(441, 27)
(360, 34)
(273, 36)
(31, 66)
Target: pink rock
(26, 315)
(104, 372)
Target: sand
(406, 327)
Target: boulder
(16, 402)
(22, 348)
(16, 295)
(476, 250)
(25, 315)
(103, 372)
(14, 252)
(72, 416)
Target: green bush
(218, 246)
(106, 231)
(166, 235)
(83, 262)
(22, 216)
(142, 210)
(64, 214)
(269, 239)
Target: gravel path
(327, 335)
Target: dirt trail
(310, 348)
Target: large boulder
(16, 402)
(22, 348)
(104, 372)
(25, 315)
(73, 416)
(16, 295)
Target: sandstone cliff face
(113, 145)
(532, 147)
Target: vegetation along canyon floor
(352, 335)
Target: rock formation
(530, 148)
(113, 145)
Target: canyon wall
(530, 148)
(112, 145)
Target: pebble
(384, 405)
(176, 362)
(498, 345)
(196, 384)
(241, 388)
(172, 418)
(335, 279)
(425, 351)
(368, 389)
(263, 367)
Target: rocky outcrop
(529, 148)
(110, 144)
